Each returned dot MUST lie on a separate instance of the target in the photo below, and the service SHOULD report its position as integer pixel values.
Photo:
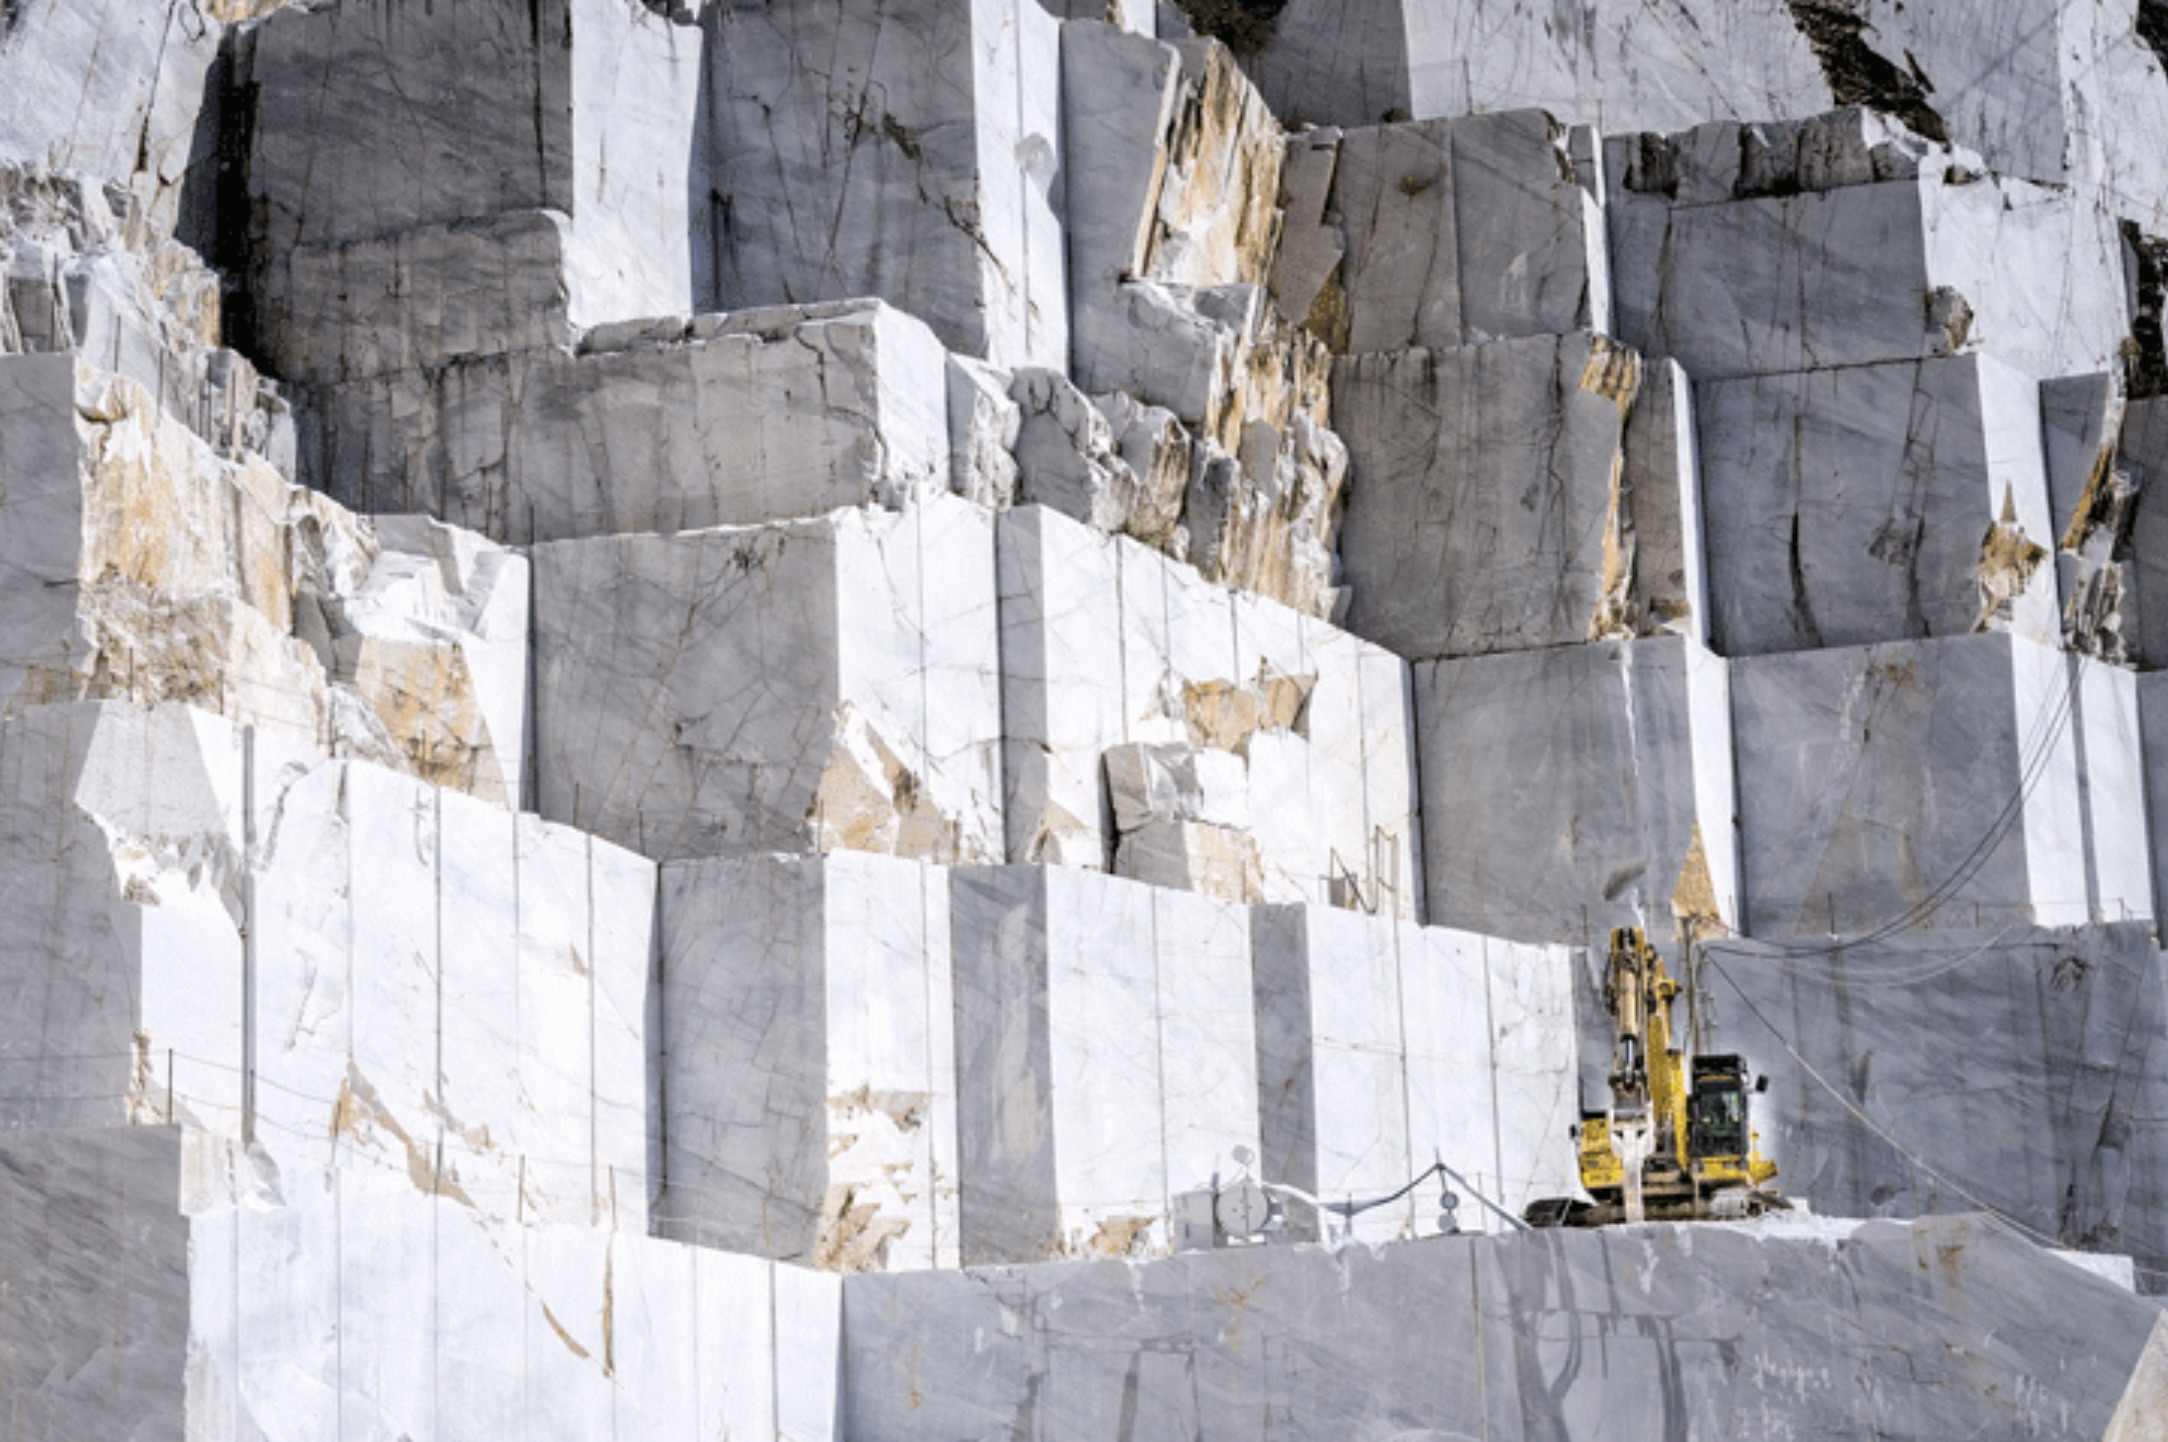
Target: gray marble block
(1570, 790)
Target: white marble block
(1445, 233)
(1744, 250)
(362, 969)
(374, 118)
(1571, 790)
(1106, 1059)
(1384, 1047)
(722, 420)
(809, 1061)
(135, 561)
(1875, 503)
(1598, 1333)
(920, 163)
(195, 1291)
(1492, 505)
(816, 685)
(1959, 782)
(1298, 730)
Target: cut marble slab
(921, 162)
(1575, 789)
(1493, 503)
(463, 290)
(373, 118)
(815, 685)
(2057, 1125)
(1446, 233)
(140, 563)
(1958, 782)
(2142, 451)
(1384, 1047)
(1641, 1331)
(293, 1303)
(809, 1061)
(1745, 250)
(1106, 644)
(720, 420)
(431, 985)
(1875, 503)
(2152, 695)
(1106, 1059)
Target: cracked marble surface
(441, 990)
(1108, 644)
(801, 686)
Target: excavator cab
(1716, 1124)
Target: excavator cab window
(1716, 1123)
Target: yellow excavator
(1676, 1143)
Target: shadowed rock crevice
(1857, 75)
(1244, 26)
(2153, 27)
(2146, 354)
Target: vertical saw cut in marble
(137, 562)
(1106, 1059)
(205, 1296)
(373, 118)
(1492, 506)
(722, 420)
(85, 271)
(1939, 783)
(805, 686)
(1385, 1047)
(910, 151)
(1447, 233)
(2058, 1125)
(1843, 240)
(809, 1062)
(2094, 501)
(439, 987)
(1196, 737)
(1614, 1332)
(1876, 503)
(1575, 789)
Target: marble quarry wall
(726, 719)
